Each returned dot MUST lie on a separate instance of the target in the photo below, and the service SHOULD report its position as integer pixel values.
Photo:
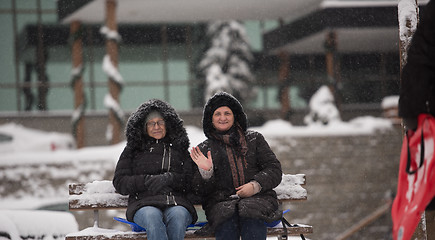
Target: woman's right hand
(205, 163)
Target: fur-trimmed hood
(218, 100)
(175, 132)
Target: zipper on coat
(169, 162)
(166, 160)
(170, 199)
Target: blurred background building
(296, 47)
(55, 77)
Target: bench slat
(102, 195)
(293, 230)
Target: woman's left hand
(205, 163)
(246, 190)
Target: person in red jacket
(417, 86)
(415, 191)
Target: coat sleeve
(124, 180)
(417, 88)
(183, 176)
(270, 173)
(202, 187)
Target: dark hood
(218, 100)
(175, 132)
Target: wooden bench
(101, 195)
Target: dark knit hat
(219, 100)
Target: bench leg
(96, 218)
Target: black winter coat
(143, 156)
(262, 166)
(417, 89)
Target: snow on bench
(101, 195)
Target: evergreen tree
(226, 63)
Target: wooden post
(330, 48)
(189, 59)
(41, 62)
(18, 87)
(164, 35)
(91, 60)
(284, 88)
(77, 84)
(114, 87)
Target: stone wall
(348, 178)
(96, 121)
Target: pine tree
(226, 64)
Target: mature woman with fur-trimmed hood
(237, 172)
(155, 170)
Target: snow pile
(94, 231)
(390, 105)
(100, 187)
(390, 102)
(99, 192)
(103, 192)
(322, 108)
(16, 138)
(44, 225)
(32, 180)
(358, 126)
(93, 154)
(290, 187)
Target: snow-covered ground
(16, 138)
(274, 128)
(25, 155)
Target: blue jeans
(236, 227)
(169, 224)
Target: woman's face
(156, 128)
(223, 119)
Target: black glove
(155, 183)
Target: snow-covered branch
(408, 20)
(226, 63)
(111, 71)
(110, 34)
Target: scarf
(236, 149)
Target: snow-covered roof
(157, 11)
(359, 26)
